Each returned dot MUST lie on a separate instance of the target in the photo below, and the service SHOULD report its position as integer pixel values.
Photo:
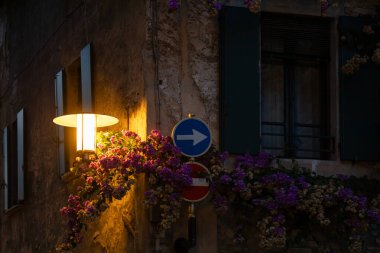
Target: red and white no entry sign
(200, 186)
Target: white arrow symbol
(196, 137)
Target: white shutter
(85, 64)
(60, 129)
(5, 168)
(20, 155)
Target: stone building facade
(150, 68)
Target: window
(275, 84)
(13, 162)
(295, 86)
(275, 88)
(72, 95)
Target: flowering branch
(277, 197)
(281, 198)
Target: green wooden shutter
(240, 80)
(359, 94)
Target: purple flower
(374, 215)
(109, 162)
(239, 174)
(239, 186)
(217, 6)
(262, 160)
(361, 201)
(89, 207)
(302, 184)
(225, 179)
(278, 178)
(287, 196)
(166, 174)
(173, 5)
(106, 188)
(223, 156)
(271, 205)
(345, 193)
(183, 175)
(244, 161)
(280, 218)
(324, 5)
(279, 231)
(174, 162)
(149, 150)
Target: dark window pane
(294, 115)
(307, 89)
(272, 86)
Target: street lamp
(86, 124)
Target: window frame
(239, 135)
(14, 163)
(289, 61)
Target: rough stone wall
(187, 43)
(187, 82)
(43, 37)
(48, 35)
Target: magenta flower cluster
(276, 197)
(110, 173)
(213, 5)
(272, 196)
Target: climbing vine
(273, 196)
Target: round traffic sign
(192, 136)
(200, 186)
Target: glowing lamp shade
(86, 132)
(86, 125)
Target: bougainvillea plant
(362, 39)
(282, 200)
(275, 196)
(111, 172)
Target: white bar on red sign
(199, 181)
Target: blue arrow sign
(192, 136)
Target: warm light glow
(86, 125)
(86, 132)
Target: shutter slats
(60, 129)
(292, 29)
(5, 168)
(240, 80)
(85, 59)
(359, 101)
(20, 155)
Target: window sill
(68, 177)
(13, 209)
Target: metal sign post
(193, 137)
